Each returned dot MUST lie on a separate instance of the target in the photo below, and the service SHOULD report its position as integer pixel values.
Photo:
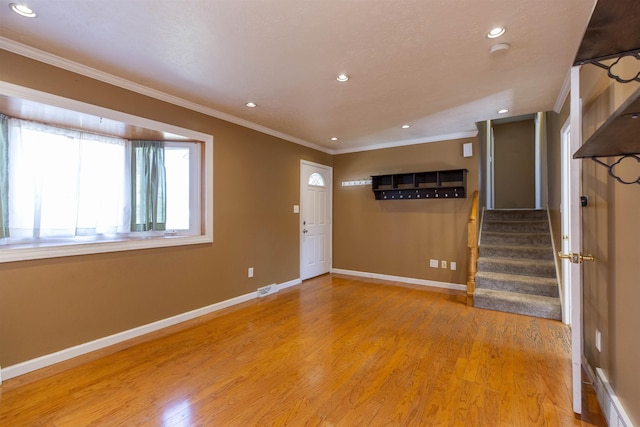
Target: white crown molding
(74, 67)
(56, 61)
(437, 138)
(564, 92)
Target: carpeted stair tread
(511, 302)
(545, 286)
(517, 214)
(517, 251)
(513, 226)
(513, 238)
(537, 268)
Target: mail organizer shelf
(446, 184)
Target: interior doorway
(515, 162)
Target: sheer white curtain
(64, 183)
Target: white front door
(315, 219)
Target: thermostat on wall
(467, 149)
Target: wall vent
(611, 407)
(267, 290)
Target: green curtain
(4, 176)
(148, 186)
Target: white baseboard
(614, 413)
(290, 283)
(78, 350)
(611, 407)
(410, 280)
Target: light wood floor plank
(334, 351)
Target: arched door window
(316, 179)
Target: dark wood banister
(472, 244)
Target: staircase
(516, 269)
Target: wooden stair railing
(472, 244)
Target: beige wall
(611, 233)
(514, 165)
(52, 304)
(398, 237)
(49, 305)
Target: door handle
(576, 258)
(305, 230)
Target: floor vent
(613, 411)
(267, 290)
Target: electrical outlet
(598, 340)
(453, 265)
(250, 272)
(433, 263)
(443, 264)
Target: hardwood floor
(334, 351)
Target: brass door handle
(576, 258)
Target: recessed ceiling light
(503, 111)
(333, 138)
(23, 10)
(496, 32)
(342, 78)
(251, 104)
(406, 126)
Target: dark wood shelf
(612, 30)
(446, 184)
(619, 135)
(611, 36)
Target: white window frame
(195, 206)
(204, 199)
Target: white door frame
(329, 170)
(489, 165)
(575, 239)
(566, 216)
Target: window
(63, 183)
(66, 192)
(316, 179)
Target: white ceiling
(421, 62)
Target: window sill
(31, 251)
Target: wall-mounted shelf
(611, 37)
(608, 41)
(619, 135)
(445, 184)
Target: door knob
(586, 258)
(305, 230)
(576, 258)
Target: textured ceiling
(421, 62)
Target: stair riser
(539, 269)
(517, 226)
(545, 311)
(517, 253)
(527, 239)
(550, 290)
(515, 215)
